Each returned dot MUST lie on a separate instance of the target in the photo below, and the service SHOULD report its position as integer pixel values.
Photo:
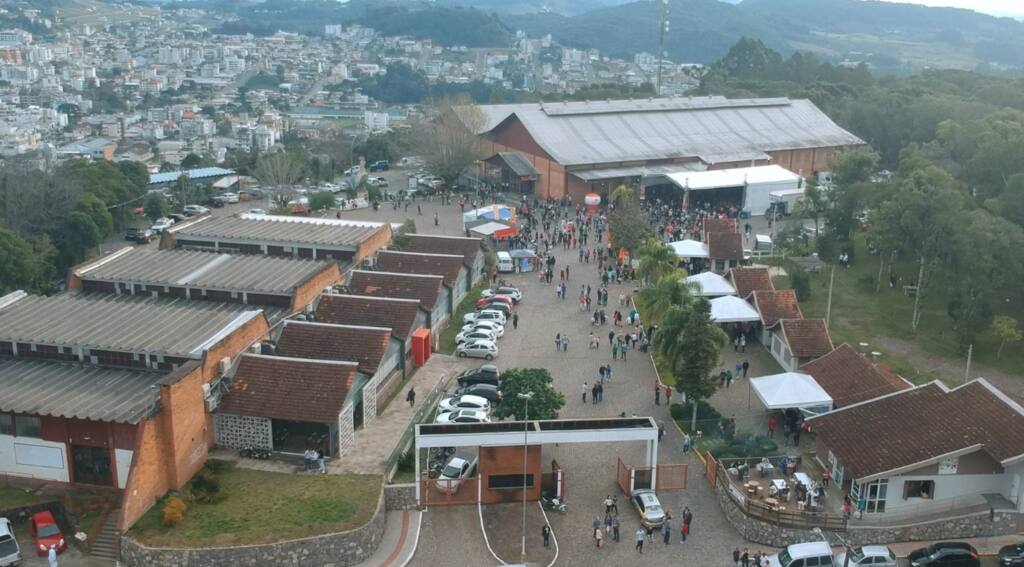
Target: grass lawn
(262, 507)
(468, 305)
(11, 497)
(859, 314)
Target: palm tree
(656, 260)
(667, 292)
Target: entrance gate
(669, 477)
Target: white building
(376, 121)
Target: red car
(494, 299)
(46, 533)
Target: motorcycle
(554, 503)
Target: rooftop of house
(426, 289)
(430, 244)
(446, 265)
(363, 345)
(807, 338)
(849, 377)
(368, 311)
(748, 280)
(776, 305)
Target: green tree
(154, 205)
(78, 236)
(321, 200)
(1006, 330)
(800, 280)
(627, 225)
(401, 236)
(812, 205)
(690, 342)
(450, 142)
(546, 400)
(135, 172)
(191, 161)
(20, 265)
(97, 211)
(666, 293)
(656, 260)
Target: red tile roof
(921, 424)
(462, 246)
(447, 265)
(749, 280)
(363, 345)
(427, 289)
(725, 246)
(849, 377)
(368, 311)
(289, 388)
(807, 338)
(712, 226)
(775, 305)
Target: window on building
(875, 493)
(508, 481)
(28, 426)
(919, 489)
(6, 424)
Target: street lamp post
(526, 397)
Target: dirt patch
(951, 372)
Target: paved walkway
(401, 535)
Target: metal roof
(283, 230)
(207, 270)
(176, 327)
(198, 173)
(73, 390)
(719, 129)
(518, 163)
(635, 171)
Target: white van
(505, 263)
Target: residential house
(849, 377)
(471, 249)
(794, 342)
(429, 290)
(452, 267)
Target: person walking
(584, 389)
(739, 368)
(772, 424)
(736, 557)
(594, 394)
(615, 529)
(746, 367)
(666, 529)
(411, 397)
(686, 442)
(515, 320)
(661, 431)
(437, 221)
(684, 531)
(558, 341)
(745, 558)
(728, 378)
(611, 338)
(657, 393)
(545, 533)
(668, 395)
(598, 537)
(608, 504)
(607, 523)
(687, 519)
(639, 538)
(51, 556)
(650, 534)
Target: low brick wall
(329, 550)
(400, 496)
(764, 532)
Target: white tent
(791, 390)
(731, 309)
(689, 249)
(710, 284)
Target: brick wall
(375, 242)
(509, 461)
(308, 290)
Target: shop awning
(731, 309)
(689, 248)
(791, 390)
(710, 284)
(494, 230)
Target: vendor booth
(731, 309)
(792, 390)
(710, 284)
(689, 248)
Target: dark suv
(1012, 555)
(945, 554)
(486, 374)
(142, 235)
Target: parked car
(486, 374)
(801, 554)
(462, 416)
(459, 466)
(873, 555)
(474, 335)
(1011, 555)
(494, 327)
(485, 315)
(230, 197)
(46, 533)
(380, 165)
(457, 403)
(354, 170)
(161, 225)
(945, 554)
(478, 349)
(649, 507)
(489, 392)
(378, 182)
(176, 217)
(193, 210)
(512, 292)
(10, 553)
(140, 235)
(256, 211)
(498, 306)
(216, 202)
(484, 302)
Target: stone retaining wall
(329, 550)
(968, 526)
(400, 496)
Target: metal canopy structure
(517, 162)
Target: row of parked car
(482, 328)
(940, 554)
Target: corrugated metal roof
(720, 129)
(198, 173)
(518, 163)
(208, 270)
(177, 327)
(72, 390)
(284, 230)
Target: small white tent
(791, 390)
(710, 284)
(731, 309)
(689, 248)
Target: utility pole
(967, 371)
(662, 30)
(828, 308)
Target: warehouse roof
(176, 327)
(208, 270)
(714, 128)
(365, 346)
(405, 286)
(287, 230)
(447, 265)
(199, 173)
(369, 311)
(80, 391)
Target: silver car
(478, 349)
(873, 555)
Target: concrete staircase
(108, 541)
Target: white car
(467, 401)
(461, 465)
(869, 555)
(256, 211)
(512, 292)
(800, 554)
(230, 197)
(493, 326)
(354, 170)
(485, 315)
(161, 225)
(191, 210)
(462, 416)
(478, 349)
(474, 335)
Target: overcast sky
(1013, 8)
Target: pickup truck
(10, 553)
